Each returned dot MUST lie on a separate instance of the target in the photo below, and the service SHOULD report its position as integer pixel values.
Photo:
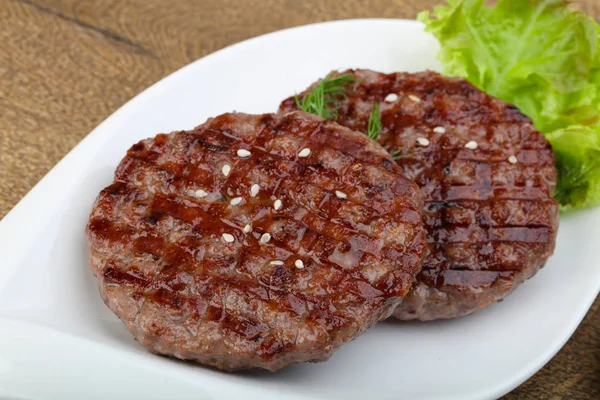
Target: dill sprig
(399, 153)
(374, 127)
(322, 99)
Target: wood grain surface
(67, 65)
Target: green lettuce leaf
(577, 150)
(542, 56)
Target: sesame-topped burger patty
(487, 177)
(255, 241)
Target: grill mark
(469, 234)
(502, 226)
(531, 199)
(501, 213)
(459, 250)
(132, 276)
(535, 157)
(193, 215)
(466, 278)
(469, 193)
(543, 202)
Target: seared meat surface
(487, 177)
(255, 241)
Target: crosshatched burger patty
(255, 240)
(487, 177)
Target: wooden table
(67, 65)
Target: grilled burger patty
(486, 175)
(255, 241)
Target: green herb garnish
(374, 127)
(322, 99)
(398, 154)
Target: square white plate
(59, 341)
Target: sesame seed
(243, 153)
(305, 152)
(276, 262)
(226, 169)
(471, 145)
(390, 98)
(512, 159)
(422, 141)
(200, 193)
(414, 98)
(277, 205)
(228, 238)
(265, 238)
(299, 264)
(439, 129)
(235, 201)
(341, 195)
(248, 228)
(356, 167)
(254, 190)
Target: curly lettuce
(542, 56)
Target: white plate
(58, 340)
